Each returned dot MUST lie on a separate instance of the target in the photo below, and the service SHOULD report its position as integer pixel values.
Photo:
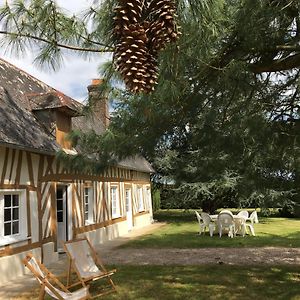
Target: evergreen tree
(223, 119)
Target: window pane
(15, 213)
(15, 200)
(15, 227)
(59, 205)
(60, 216)
(7, 200)
(59, 193)
(7, 228)
(7, 214)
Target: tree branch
(69, 47)
(284, 64)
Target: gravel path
(233, 256)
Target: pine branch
(54, 42)
(288, 63)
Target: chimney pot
(97, 81)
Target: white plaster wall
(24, 178)
(143, 220)
(12, 266)
(49, 255)
(104, 234)
(34, 217)
(35, 167)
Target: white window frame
(148, 196)
(127, 198)
(140, 195)
(88, 202)
(115, 202)
(22, 235)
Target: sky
(76, 72)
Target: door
(128, 202)
(61, 215)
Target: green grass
(182, 228)
(207, 282)
(202, 282)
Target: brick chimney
(99, 102)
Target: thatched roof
(21, 95)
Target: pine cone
(130, 57)
(142, 28)
(163, 28)
(128, 12)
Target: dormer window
(55, 111)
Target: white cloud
(75, 74)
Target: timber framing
(53, 204)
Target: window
(148, 193)
(128, 200)
(140, 199)
(115, 203)
(88, 206)
(11, 215)
(13, 224)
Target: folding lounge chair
(44, 276)
(84, 260)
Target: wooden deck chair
(45, 277)
(88, 266)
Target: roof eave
(29, 149)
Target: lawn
(182, 228)
(203, 282)
(214, 281)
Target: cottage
(41, 202)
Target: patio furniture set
(84, 261)
(227, 222)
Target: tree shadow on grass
(185, 238)
(207, 282)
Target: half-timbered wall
(36, 177)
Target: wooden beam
(74, 177)
(9, 250)
(4, 165)
(141, 213)
(20, 186)
(30, 168)
(13, 154)
(87, 228)
(19, 166)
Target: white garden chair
(227, 211)
(240, 225)
(207, 223)
(244, 214)
(226, 222)
(199, 221)
(250, 222)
